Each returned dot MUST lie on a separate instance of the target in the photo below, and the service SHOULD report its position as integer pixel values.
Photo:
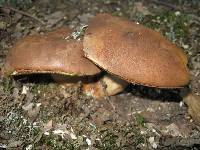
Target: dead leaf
(141, 8)
(54, 18)
(48, 126)
(14, 144)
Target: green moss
(51, 142)
(174, 25)
(40, 88)
(132, 136)
(112, 137)
(56, 143)
(7, 84)
(108, 140)
(140, 120)
(120, 136)
(16, 3)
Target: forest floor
(37, 113)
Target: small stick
(165, 4)
(194, 17)
(175, 8)
(23, 13)
(107, 98)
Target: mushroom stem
(108, 85)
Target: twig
(194, 17)
(23, 13)
(175, 8)
(165, 4)
(107, 98)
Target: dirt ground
(37, 113)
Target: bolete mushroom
(62, 57)
(49, 53)
(134, 52)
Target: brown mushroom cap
(49, 53)
(135, 53)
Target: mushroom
(63, 58)
(49, 53)
(134, 53)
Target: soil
(37, 113)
